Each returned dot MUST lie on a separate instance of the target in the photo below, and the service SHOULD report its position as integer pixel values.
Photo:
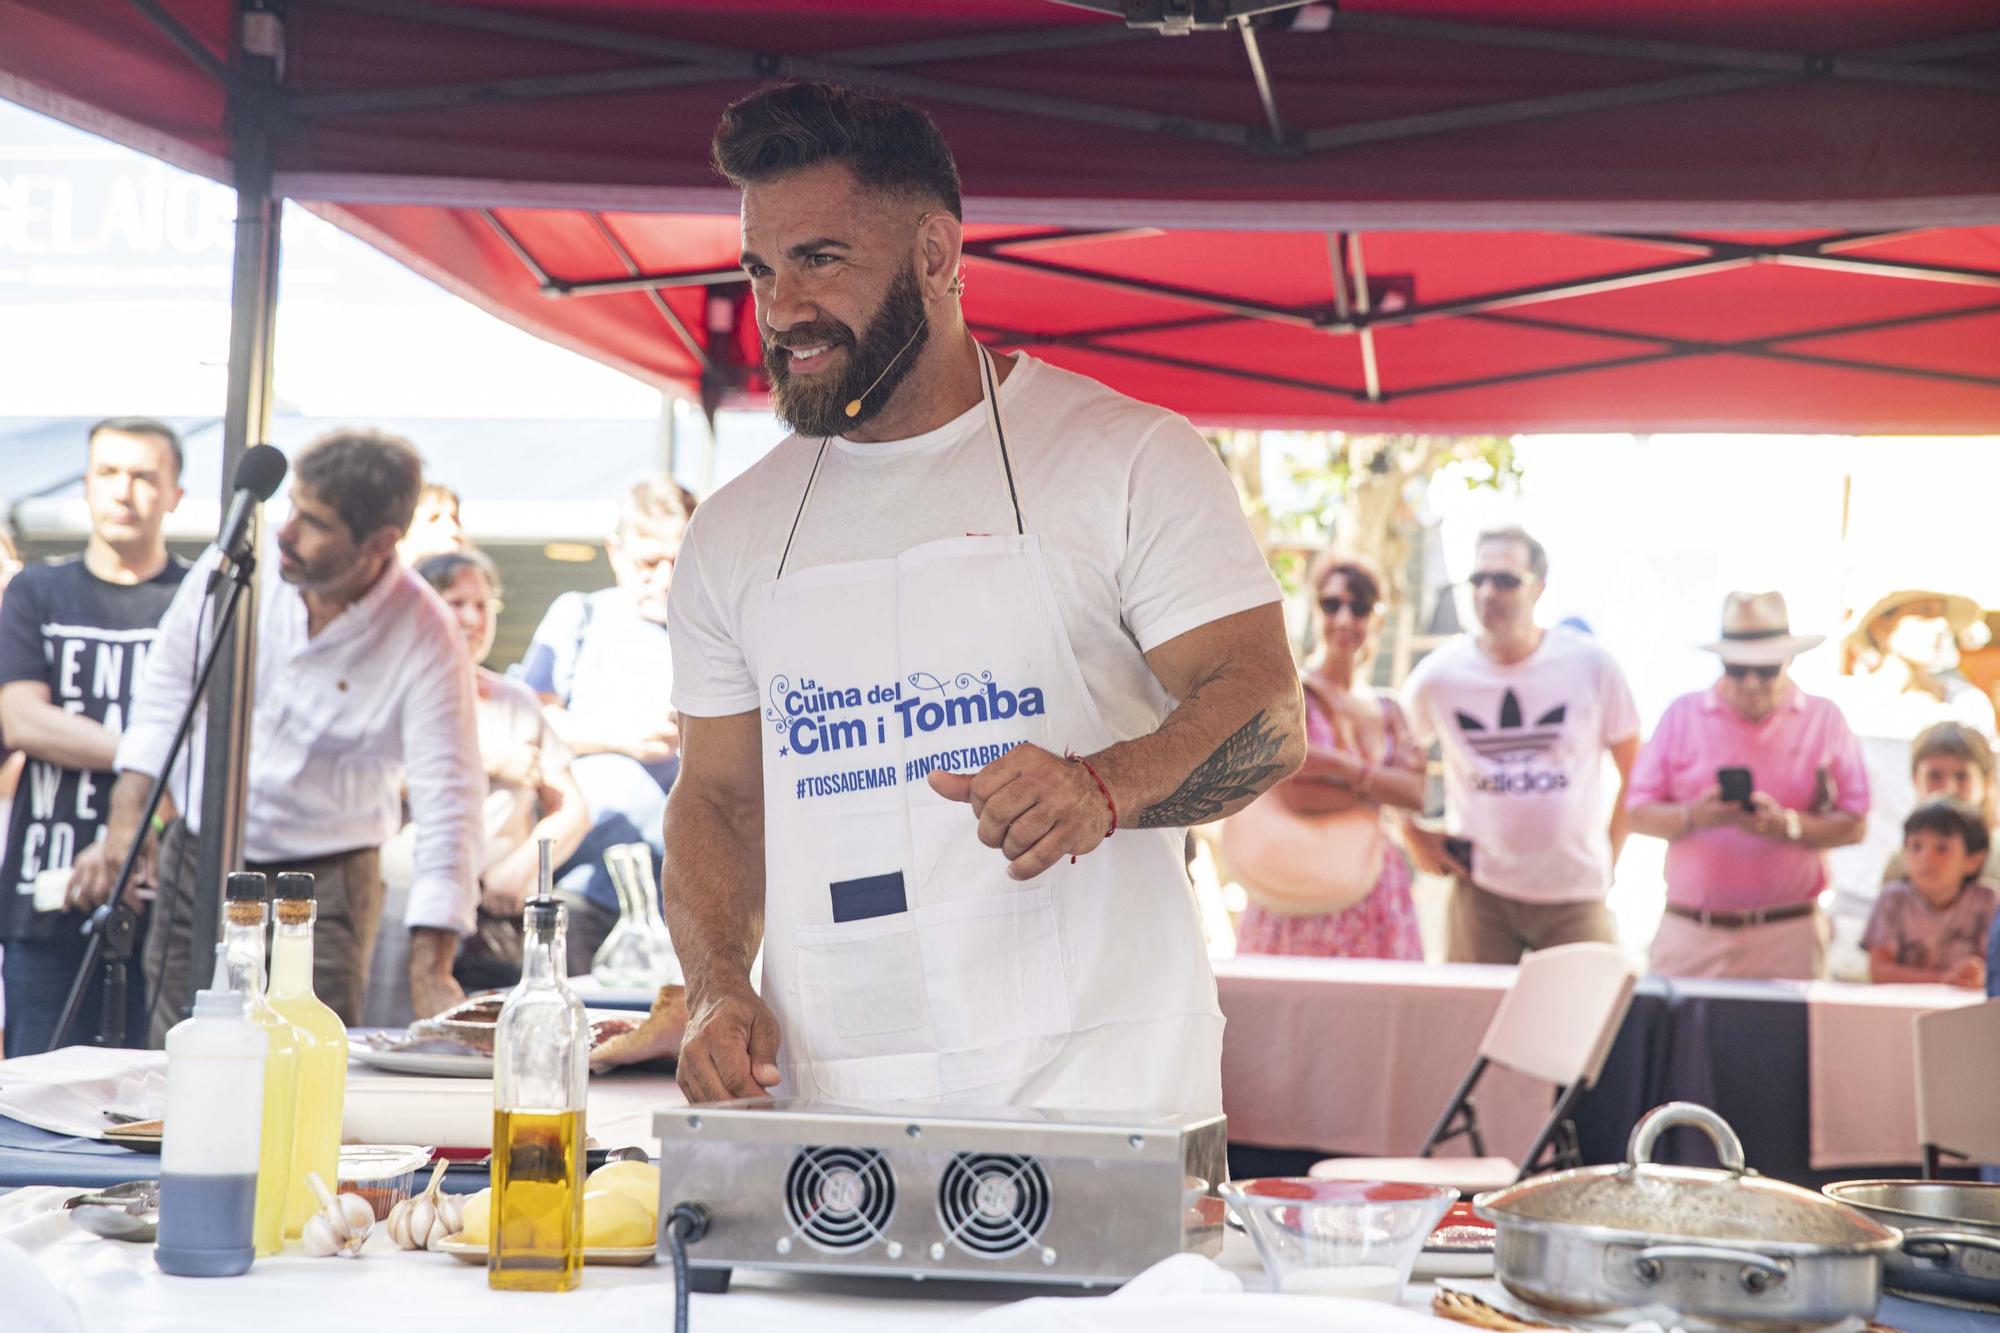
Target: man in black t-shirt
(73, 637)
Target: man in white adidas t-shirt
(956, 665)
(1523, 716)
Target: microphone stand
(114, 927)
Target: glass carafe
(630, 955)
(666, 963)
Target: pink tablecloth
(1863, 1060)
(1361, 1056)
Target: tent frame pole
(253, 295)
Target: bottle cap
(219, 1003)
(295, 884)
(543, 913)
(247, 886)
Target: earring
(958, 284)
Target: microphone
(258, 474)
(854, 404)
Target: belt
(1756, 916)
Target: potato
(639, 1181)
(614, 1220)
(478, 1210)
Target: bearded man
(956, 664)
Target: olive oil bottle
(540, 1062)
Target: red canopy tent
(1520, 214)
(1452, 214)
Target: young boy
(1931, 926)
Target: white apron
(901, 961)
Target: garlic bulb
(423, 1223)
(341, 1225)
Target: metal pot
(1951, 1234)
(1689, 1246)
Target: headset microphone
(854, 404)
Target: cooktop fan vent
(839, 1199)
(993, 1204)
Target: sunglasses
(1737, 671)
(1359, 607)
(1499, 579)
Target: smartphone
(1460, 850)
(1736, 786)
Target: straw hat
(1757, 631)
(1960, 613)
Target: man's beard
(816, 405)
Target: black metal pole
(253, 295)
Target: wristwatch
(1794, 826)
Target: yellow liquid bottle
(243, 943)
(541, 1046)
(322, 1044)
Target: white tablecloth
(1862, 1054)
(1355, 1055)
(116, 1288)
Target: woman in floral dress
(1360, 756)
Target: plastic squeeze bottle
(215, 1115)
(322, 1056)
(243, 943)
(541, 1050)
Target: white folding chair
(1958, 1085)
(1556, 1022)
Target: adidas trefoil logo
(1510, 740)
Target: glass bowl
(1354, 1238)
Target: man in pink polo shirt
(1743, 881)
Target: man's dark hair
(159, 430)
(888, 144)
(370, 477)
(1948, 816)
(1538, 556)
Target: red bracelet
(1106, 791)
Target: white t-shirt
(1523, 750)
(1141, 528)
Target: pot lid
(1689, 1203)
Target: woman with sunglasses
(1323, 876)
(1750, 782)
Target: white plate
(619, 1256)
(447, 1065)
(423, 1062)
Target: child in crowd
(1931, 925)
(1949, 759)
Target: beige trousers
(1790, 950)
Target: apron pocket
(864, 977)
(993, 967)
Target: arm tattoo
(1240, 768)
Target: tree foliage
(1358, 492)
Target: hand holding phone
(1736, 787)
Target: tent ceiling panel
(1543, 214)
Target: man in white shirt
(362, 686)
(1524, 717)
(956, 664)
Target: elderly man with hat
(1744, 875)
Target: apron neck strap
(989, 393)
(989, 388)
